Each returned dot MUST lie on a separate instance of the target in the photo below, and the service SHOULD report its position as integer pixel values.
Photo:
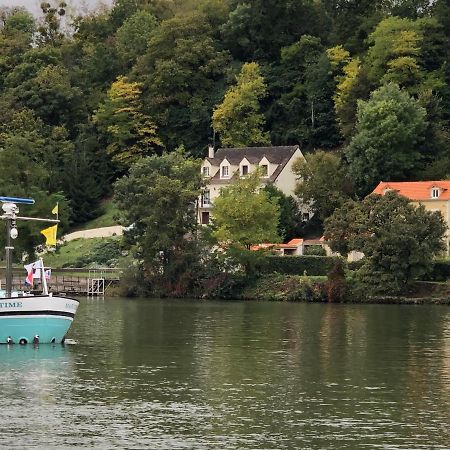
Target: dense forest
(364, 82)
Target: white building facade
(226, 165)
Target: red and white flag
(32, 272)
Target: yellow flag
(50, 235)
(55, 209)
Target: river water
(225, 375)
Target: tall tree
(52, 96)
(389, 131)
(258, 29)
(244, 214)
(301, 88)
(132, 134)
(171, 184)
(351, 85)
(49, 31)
(323, 183)
(290, 215)
(133, 36)
(398, 240)
(183, 74)
(238, 119)
(400, 53)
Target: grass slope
(95, 252)
(105, 220)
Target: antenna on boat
(10, 211)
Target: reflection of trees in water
(236, 368)
(446, 356)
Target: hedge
(440, 271)
(355, 265)
(300, 265)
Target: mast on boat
(10, 211)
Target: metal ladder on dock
(96, 283)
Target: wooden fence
(69, 281)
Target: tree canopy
(131, 133)
(322, 183)
(85, 97)
(386, 145)
(398, 239)
(245, 214)
(157, 202)
(238, 119)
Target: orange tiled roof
(293, 243)
(415, 190)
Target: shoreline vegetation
(126, 103)
(290, 287)
(305, 279)
(304, 289)
(294, 288)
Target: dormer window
(206, 171)
(244, 170)
(435, 192)
(264, 170)
(225, 171)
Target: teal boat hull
(24, 329)
(41, 319)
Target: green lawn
(86, 253)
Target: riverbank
(296, 288)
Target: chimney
(210, 151)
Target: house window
(244, 170)
(206, 198)
(225, 171)
(434, 193)
(265, 170)
(205, 218)
(206, 171)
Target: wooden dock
(95, 282)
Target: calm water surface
(178, 375)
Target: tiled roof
(415, 190)
(293, 244)
(216, 179)
(314, 241)
(276, 155)
(295, 241)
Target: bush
(103, 253)
(336, 285)
(440, 271)
(133, 283)
(285, 288)
(314, 250)
(300, 265)
(355, 265)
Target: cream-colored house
(226, 165)
(433, 195)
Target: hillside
(91, 251)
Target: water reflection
(34, 387)
(171, 374)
